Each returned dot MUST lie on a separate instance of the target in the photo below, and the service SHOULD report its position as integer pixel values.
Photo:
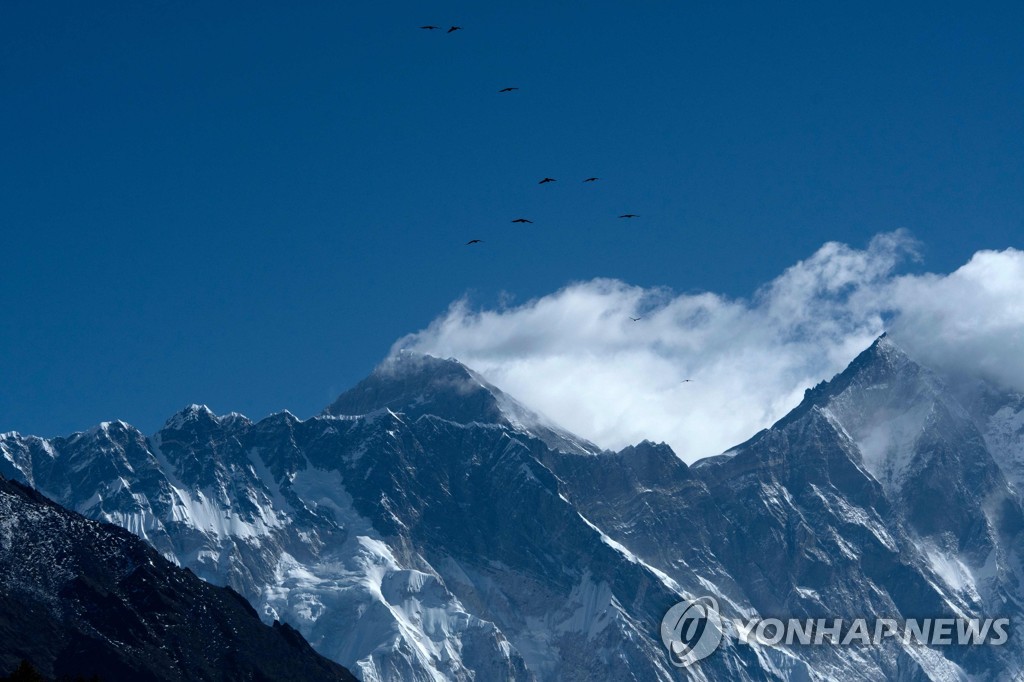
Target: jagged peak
(107, 426)
(189, 414)
(199, 414)
(883, 355)
(646, 449)
(282, 415)
(195, 409)
(881, 379)
(103, 430)
(646, 445)
(886, 347)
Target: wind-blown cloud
(576, 356)
(970, 321)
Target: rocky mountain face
(82, 598)
(429, 527)
(878, 496)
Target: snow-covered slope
(429, 527)
(80, 598)
(875, 497)
(418, 385)
(412, 548)
(242, 505)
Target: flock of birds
(543, 181)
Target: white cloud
(575, 355)
(970, 321)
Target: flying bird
(685, 381)
(591, 179)
(546, 180)
(522, 220)
(454, 28)
(629, 215)
(430, 28)
(474, 241)
(507, 89)
(636, 319)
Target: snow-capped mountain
(875, 497)
(427, 526)
(412, 547)
(81, 598)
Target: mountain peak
(103, 429)
(190, 413)
(417, 384)
(883, 357)
(194, 415)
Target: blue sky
(247, 207)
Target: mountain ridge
(475, 538)
(86, 598)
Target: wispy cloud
(576, 355)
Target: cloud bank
(576, 356)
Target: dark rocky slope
(78, 597)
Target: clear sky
(246, 204)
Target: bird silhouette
(636, 319)
(454, 28)
(629, 215)
(522, 220)
(474, 241)
(591, 179)
(684, 381)
(430, 28)
(546, 180)
(507, 89)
